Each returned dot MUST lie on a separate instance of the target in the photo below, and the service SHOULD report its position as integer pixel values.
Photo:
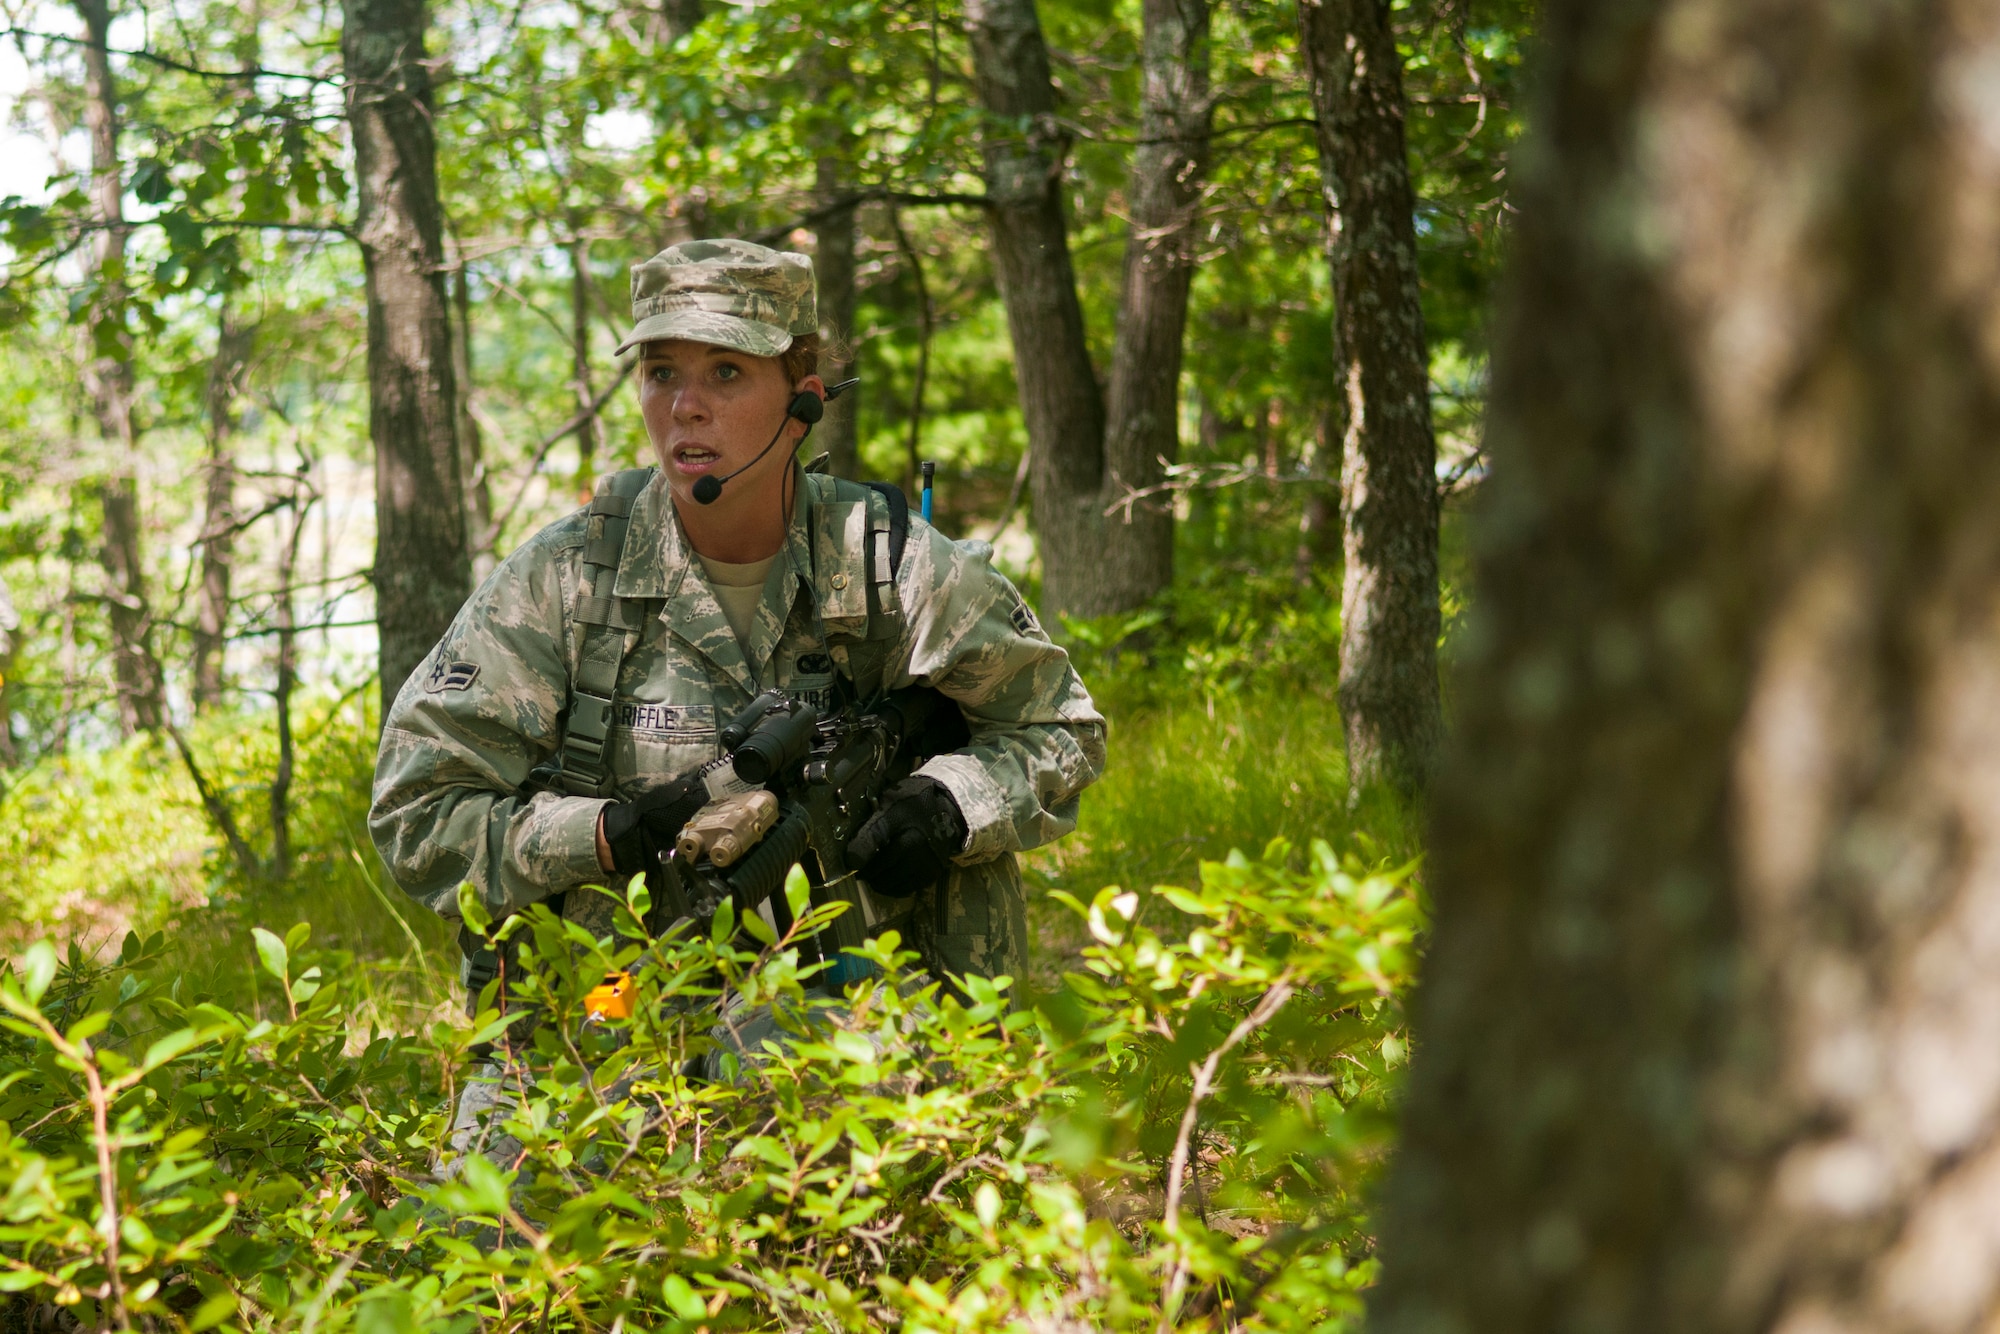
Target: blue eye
(726, 371)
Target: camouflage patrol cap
(726, 292)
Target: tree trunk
(678, 18)
(913, 458)
(587, 429)
(479, 532)
(1064, 412)
(833, 262)
(1168, 170)
(280, 867)
(1709, 1038)
(112, 392)
(10, 648)
(422, 571)
(1388, 482)
(218, 526)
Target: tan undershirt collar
(739, 588)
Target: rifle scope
(780, 739)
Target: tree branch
(771, 235)
(247, 74)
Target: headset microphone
(806, 406)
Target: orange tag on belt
(612, 999)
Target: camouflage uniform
(487, 707)
(498, 695)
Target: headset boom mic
(806, 406)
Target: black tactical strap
(885, 560)
(611, 627)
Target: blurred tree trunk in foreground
(1092, 565)
(141, 694)
(1388, 482)
(422, 569)
(1710, 1034)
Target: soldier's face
(710, 410)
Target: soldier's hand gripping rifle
(805, 784)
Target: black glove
(907, 845)
(637, 832)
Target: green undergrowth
(1182, 1135)
(93, 845)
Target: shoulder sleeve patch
(1024, 620)
(450, 676)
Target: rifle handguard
(762, 873)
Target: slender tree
(218, 525)
(480, 534)
(113, 391)
(422, 569)
(1091, 566)
(1064, 411)
(833, 264)
(588, 428)
(1168, 169)
(1388, 487)
(10, 647)
(1707, 1040)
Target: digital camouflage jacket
(487, 707)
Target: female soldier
(605, 650)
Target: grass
(1189, 780)
(100, 844)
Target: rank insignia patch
(451, 676)
(1024, 619)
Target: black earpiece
(806, 406)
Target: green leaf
(296, 938)
(1192, 904)
(725, 923)
(986, 1204)
(754, 923)
(798, 892)
(271, 953)
(89, 1026)
(387, 1310)
(171, 1046)
(472, 909)
(481, 1188)
(222, 1306)
(38, 969)
(682, 1298)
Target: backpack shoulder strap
(610, 629)
(899, 522)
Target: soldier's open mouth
(694, 458)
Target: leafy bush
(95, 843)
(1187, 1129)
